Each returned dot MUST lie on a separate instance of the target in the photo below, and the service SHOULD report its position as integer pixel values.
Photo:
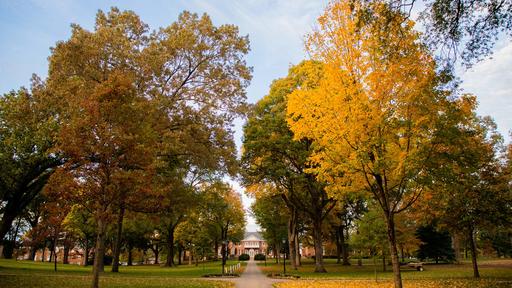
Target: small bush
(243, 257)
(259, 257)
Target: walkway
(253, 278)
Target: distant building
(252, 244)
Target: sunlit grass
(37, 274)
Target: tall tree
(373, 115)
(270, 154)
(198, 78)
(27, 136)
(107, 134)
(476, 192)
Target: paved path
(253, 278)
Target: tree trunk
(65, 258)
(33, 251)
(55, 250)
(276, 254)
(180, 250)
(9, 214)
(51, 255)
(292, 230)
(402, 253)
(223, 252)
(170, 247)
(86, 252)
(338, 245)
(383, 261)
(99, 252)
(130, 255)
(317, 238)
(155, 252)
(42, 254)
(344, 246)
(397, 277)
(117, 242)
(456, 247)
(216, 253)
(297, 248)
(472, 243)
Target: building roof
(253, 236)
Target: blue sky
(28, 28)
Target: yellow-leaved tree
(374, 115)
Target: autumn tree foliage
(140, 103)
(271, 155)
(471, 175)
(373, 115)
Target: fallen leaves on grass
(456, 283)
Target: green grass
(37, 274)
(489, 269)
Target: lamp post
(284, 257)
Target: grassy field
(495, 273)
(36, 274)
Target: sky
(276, 29)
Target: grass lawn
(37, 274)
(494, 273)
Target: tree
(370, 235)
(461, 29)
(27, 136)
(198, 78)
(33, 217)
(271, 155)
(476, 192)
(107, 134)
(80, 223)
(223, 215)
(348, 209)
(468, 28)
(136, 234)
(178, 203)
(435, 244)
(372, 116)
(271, 214)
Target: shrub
(243, 257)
(259, 257)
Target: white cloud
(491, 81)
